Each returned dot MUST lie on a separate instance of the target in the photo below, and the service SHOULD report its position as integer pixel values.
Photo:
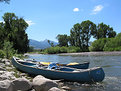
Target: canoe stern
(97, 75)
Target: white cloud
(76, 9)
(30, 22)
(97, 9)
(2, 21)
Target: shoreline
(114, 53)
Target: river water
(110, 64)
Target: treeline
(107, 44)
(13, 38)
(81, 33)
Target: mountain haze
(40, 44)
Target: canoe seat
(73, 63)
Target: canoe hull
(89, 75)
(80, 66)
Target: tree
(51, 43)
(14, 31)
(31, 49)
(62, 40)
(80, 34)
(88, 29)
(104, 31)
(7, 1)
(1, 35)
(74, 38)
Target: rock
(21, 84)
(41, 83)
(9, 68)
(2, 69)
(22, 74)
(4, 60)
(32, 90)
(5, 85)
(66, 88)
(7, 63)
(54, 89)
(2, 65)
(5, 75)
(1, 72)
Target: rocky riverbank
(13, 80)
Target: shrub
(63, 49)
(9, 51)
(73, 49)
(2, 54)
(114, 44)
(57, 49)
(99, 44)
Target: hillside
(40, 44)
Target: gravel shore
(91, 53)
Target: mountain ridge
(41, 44)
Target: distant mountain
(40, 44)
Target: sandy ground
(91, 53)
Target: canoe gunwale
(76, 70)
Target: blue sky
(48, 18)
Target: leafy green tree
(75, 37)
(1, 35)
(80, 34)
(88, 29)
(104, 31)
(14, 31)
(62, 40)
(7, 1)
(31, 49)
(51, 43)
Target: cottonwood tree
(62, 40)
(104, 31)
(7, 1)
(80, 34)
(15, 32)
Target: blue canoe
(95, 74)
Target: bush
(2, 54)
(52, 50)
(63, 49)
(114, 44)
(73, 49)
(99, 44)
(9, 51)
(57, 49)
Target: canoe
(76, 65)
(95, 74)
